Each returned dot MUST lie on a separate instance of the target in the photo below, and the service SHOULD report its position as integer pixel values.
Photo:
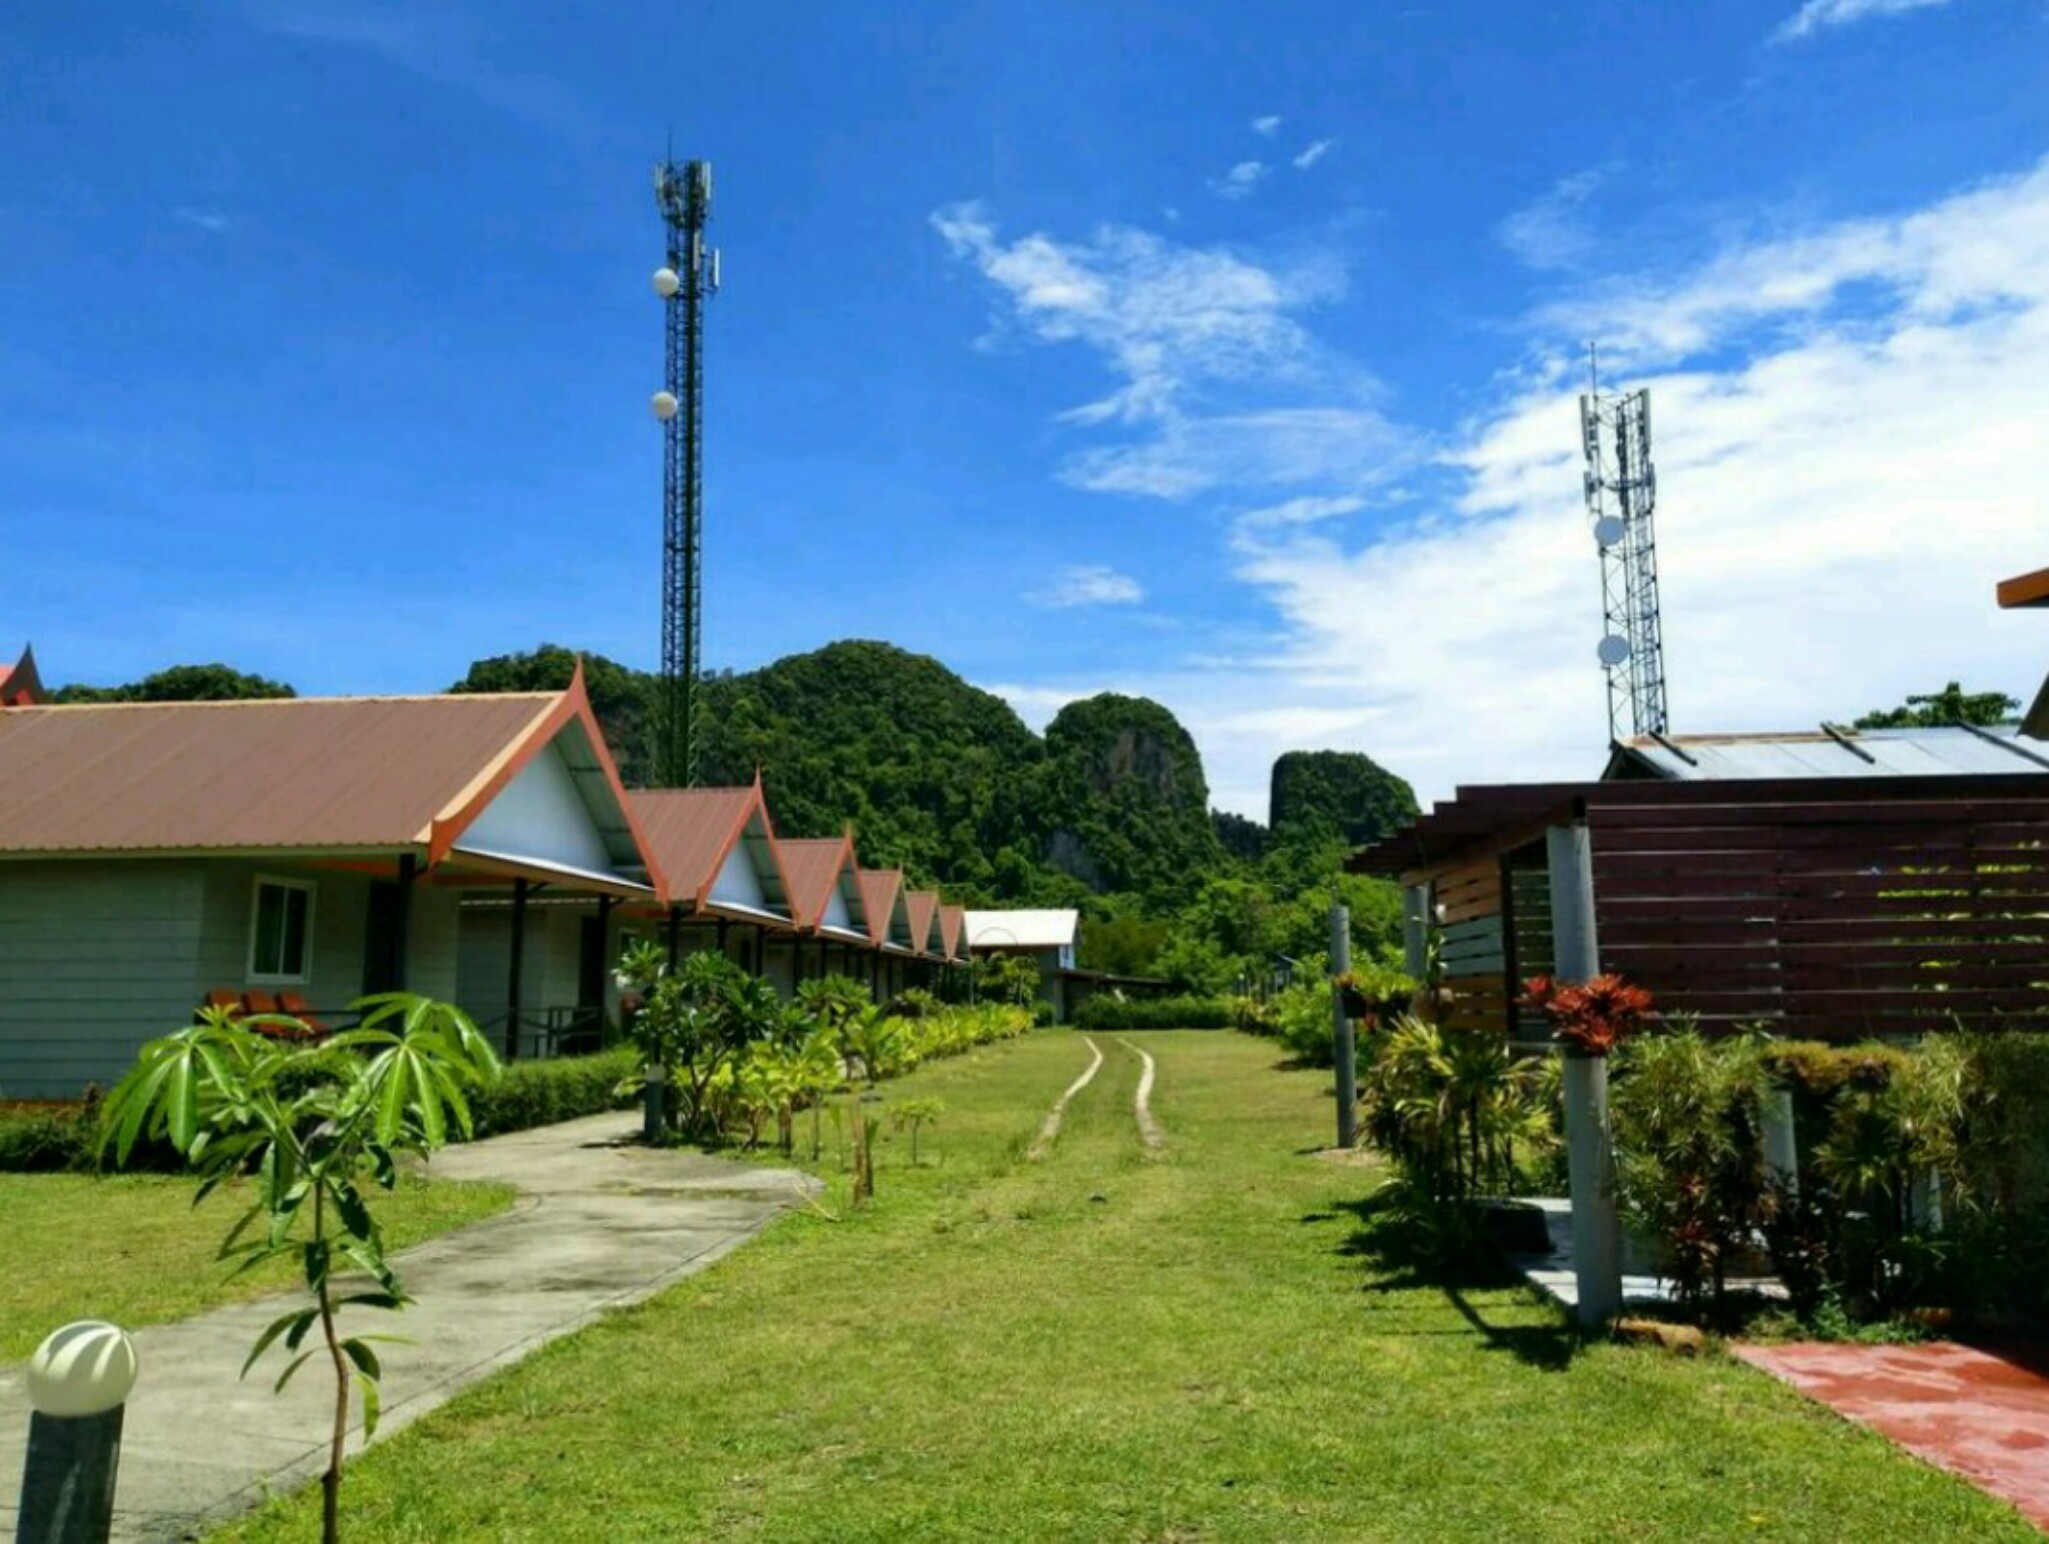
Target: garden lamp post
(78, 1383)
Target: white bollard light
(78, 1386)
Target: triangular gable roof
(922, 907)
(952, 931)
(817, 867)
(697, 833)
(311, 775)
(21, 686)
(882, 893)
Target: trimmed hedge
(63, 1138)
(541, 1093)
(1110, 1013)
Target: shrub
(1461, 1117)
(540, 1093)
(52, 1137)
(1107, 1012)
(45, 1139)
(1689, 1119)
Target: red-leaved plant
(1591, 1016)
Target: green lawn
(1102, 1346)
(133, 1249)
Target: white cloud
(208, 220)
(1219, 383)
(1313, 153)
(1306, 510)
(1849, 452)
(1240, 180)
(1090, 584)
(1816, 15)
(1551, 231)
(1266, 125)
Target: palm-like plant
(314, 1122)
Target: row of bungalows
(305, 852)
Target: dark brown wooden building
(1838, 884)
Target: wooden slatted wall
(1470, 942)
(1835, 918)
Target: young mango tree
(314, 1122)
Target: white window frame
(311, 890)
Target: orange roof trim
(571, 704)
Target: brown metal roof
(813, 866)
(310, 772)
(692, 831)
(952, 921)
(922, 906)
(879, 890)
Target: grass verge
(1211, 1344)
(132, 1248)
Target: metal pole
(402, 918)
(1347, 1066)
(1590, 1152)
(512, 983)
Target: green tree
(314, 1121)
(622, 698)
(181, 683)
(1951, 705)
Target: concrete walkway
(1980, 1416)
(602, 1224)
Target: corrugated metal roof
(881, 894)
(1939, 752)
(1022, 929)
(813, 866)
(922, 906)
(307, 772)
(952, 928)
(692, 831)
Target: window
(281, 931)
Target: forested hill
(937, 775)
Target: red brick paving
(1979, 1415)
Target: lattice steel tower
(1622, 491)
(684, 283)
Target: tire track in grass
(1141, 1104)
(1051, 1129)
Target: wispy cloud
(438, 43)
(1218, 382)
(1267, 125)
(209, 220)
(1315, 151)
(1240, 180)
(1552, 232)
(1819, 15)
(1089, 584)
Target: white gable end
(738, 884)
(539, 814)
(836, 913)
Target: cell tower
(684, 283)
(1622, 491)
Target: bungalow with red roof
(297, 852)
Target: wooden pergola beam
(2024, 591)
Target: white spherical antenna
(1613, 650)
(664, 404)
(665, 282)
(1608, 530)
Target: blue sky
(1216, 352)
